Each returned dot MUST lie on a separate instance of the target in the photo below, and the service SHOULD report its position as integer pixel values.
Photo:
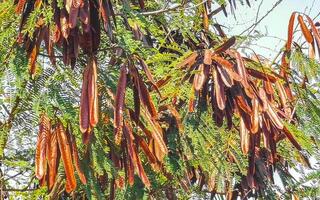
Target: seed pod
(65, 150)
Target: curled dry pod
(157, 135)
(65, 150)
(218, 114)
(43, 136)
(234, 75)
(84, 102)
(143, 144)
(199, 78)
(177, 117)
(267, 121)
(240, 68)
(132, 151)
(127, 132)
(261, 75)
(249, 91)
(77, 3)
(242, 103)
(274, 117)
(190, 60)
(265, 135)
(65, 30)
(226, 45)
(141, 172)
(244, 137)
(283, 98)
(144, 94)
(119, 103)
(43, 181)
(268, 87)
(255, 116)
(205, 18)
(95, 26)
(162, 82)
(20, 6)
(314, 30)
(56, 34)
(35, 51)
(219, 90)
(140, 124)
(207, 60)
(103, 9)
(137, 104)
(223, 62)
(146, 99)
(53, 159)
(48, 152)
(306, 33)
(49, 45)
(290, 31)
(89, 98)
(224, 76)
(76, 158)
(84, 14)
(312, 50)
(68, 4)
(93, 92)
(130, 172)
(148, 74)
(263, 97)
(73, 15)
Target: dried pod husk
(133, 155)
(305, 31)
(119, 103)
(53, 159)
(75, 155)
(84, 102)
(42, 142)
(199, 78)
(66, 155)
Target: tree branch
(174, 8)
(25, 189)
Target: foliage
(130, 85)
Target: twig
(214, 12)
(258, 11)
(312, 5)
(163, 10)
(19, 190)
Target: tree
(149, 99)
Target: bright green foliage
(55, 90)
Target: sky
(275, 25)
